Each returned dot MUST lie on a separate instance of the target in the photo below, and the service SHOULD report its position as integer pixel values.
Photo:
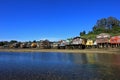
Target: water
(59, 66)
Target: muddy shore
(108, 51)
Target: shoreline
(107, 51)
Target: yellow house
(89, 42)
(33, 45)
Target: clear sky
(24, 20)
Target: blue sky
(25, 20)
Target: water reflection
(59, 66)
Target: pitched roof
(103, 35)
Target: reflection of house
(91, 58)
(80, 58)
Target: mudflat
(107, 50)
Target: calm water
(59, 66)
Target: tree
(82, 33)
(109, 25)
(106, 23)
(2, 43)
(13, 41)
(34, 41)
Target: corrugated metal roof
(103, 35)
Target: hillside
(109, 25)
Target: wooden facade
(54, 45)
(33, 45)
(62, 44)
(103, 40)
(115, 41)
(89, 43)
(77, 43)
(45, 44)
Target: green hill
(109, 25)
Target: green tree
(109, 25)
(34, 41)
(13, 41)
(2, 43)
(82, 33)
(106, 23)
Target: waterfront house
(23, 45)
(54, 45)
(115, 41)
(33, 45)
(89, 43)
(103, 39)
(28, 45)
(62, 44)
(76, 41)
(45, 44)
